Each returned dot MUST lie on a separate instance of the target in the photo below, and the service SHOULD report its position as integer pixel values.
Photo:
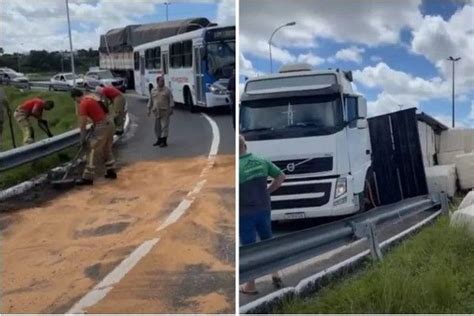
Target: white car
(65, 81)
(11, 77)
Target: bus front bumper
(214, 100)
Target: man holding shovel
(101, 139)
(32, 108)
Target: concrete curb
(312, 284)
(43, 178)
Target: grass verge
(430, 273)
(61, 119)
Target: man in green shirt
(255, 203)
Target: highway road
(160, 239)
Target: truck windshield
(221, 58)
(291, 117)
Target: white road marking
(104, 287)
(101, 290)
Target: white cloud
(398, 88)
(247, 69)
(43, 24)
(309, 58)
(471, 114)
(436, 39)
(363, 22)
(352, 53)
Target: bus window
(176, 55)
(157, 58)
(187, 53)
(136, 60)
(149, 58)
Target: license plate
(294, 215)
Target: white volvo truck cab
(312, 125)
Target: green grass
(61, 119)
(433, 272)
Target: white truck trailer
(313, 126)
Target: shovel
(65, 183)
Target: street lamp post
(270, 42)
(70, 45)
(167, 3)
(453, 60)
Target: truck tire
(365, 203)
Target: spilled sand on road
(52, 255)
(192, 268)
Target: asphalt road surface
(159, 239)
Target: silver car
(65, 81)
(95, 78)
(11, 77)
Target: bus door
(165, 65)
(199, 76)
(142, 76)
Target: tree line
(41, 61)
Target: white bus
(196, 66)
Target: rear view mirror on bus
(361, 107)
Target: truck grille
(299, 166)
(292, 192)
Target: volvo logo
(290, 167)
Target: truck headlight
(341, 187)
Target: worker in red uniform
(114, 96)
(101, 139)
(32, 108)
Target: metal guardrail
(29, 153)
(271, 255)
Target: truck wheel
(188, 100)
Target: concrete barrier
(441, 179)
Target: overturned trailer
(116, 46)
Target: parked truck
(313, 126)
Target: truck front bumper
(290, 203)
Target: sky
(42, 24)
(397, 50)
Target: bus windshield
(221, 58)
(291, 117)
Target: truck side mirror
(361, 107)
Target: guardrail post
(374, 245)
(367, 229)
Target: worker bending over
(114, 96)
(32, 108)
(101, 139)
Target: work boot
(83, 181)
(163, 142)
(111, 174)
(158, 142)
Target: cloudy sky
(42, 24)
(396, 49)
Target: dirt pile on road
(53, 254)
(191, 269)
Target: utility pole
(70, 45)
(270, 42)
(167, 3)
(453, 60)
